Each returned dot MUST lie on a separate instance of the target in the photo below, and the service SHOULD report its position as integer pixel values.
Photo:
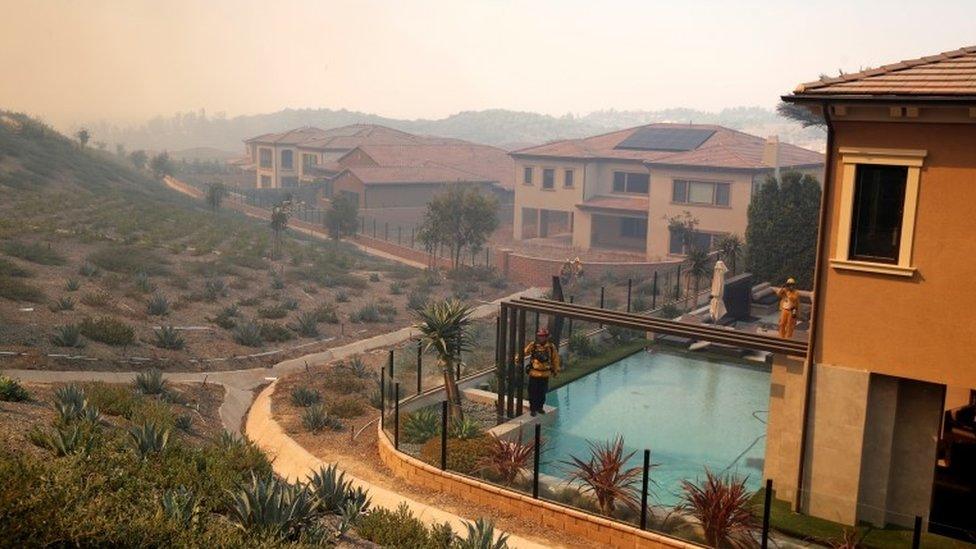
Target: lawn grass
(577, 368)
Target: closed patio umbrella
(716, 308)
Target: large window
(878, 200)
(879, 203)
(309, 160)
(568, 178)
(287, 159)
(627, 182)
(706, 193)
(704, 241)
(264, 158)
(632, 227)
(527, 175)
(548, 178)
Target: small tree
(215, 195)
(462, 219)
(699, 267)
(684, 225)
(804, 116)
(120, 150)
(444, 327)
(83, 136)
(161, 165)
(342, 216)
(139, 159)
(731, 248)
(279, 223)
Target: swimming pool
(689, 410)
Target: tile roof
(618, 203)
(290, 137)
(726, 148)
(489, 163)
(426, 173)
(952, 73)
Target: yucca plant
(72, 285)
(304, 397)
(150, 382)
(248, 334)
(272, 507)
(506, 459)
(64, 303)
(158, 305)
(168, 337)
(420, 426)
(182, 506)
(330, 488)
(148, 439)
(721, 505)
(465, 428)
(481, 535)
(307, 325)
(444, 327)
(65, 440)
(316, 418)
(605, 477)
(12, 391)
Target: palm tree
(279, 222)
(444, 327)
(699, 267)
(731, 248)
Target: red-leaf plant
(721, 504)
(605, 477)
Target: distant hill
(502, 128)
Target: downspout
(818, 274)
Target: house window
(264, 159)
(568, 178)
(527, 175)
(626, 182)
(287, 159)
(632, 227)
(705, 193)
(265, 182)
(699, 240)
(878, 200)
(309, 160)
(548, 178)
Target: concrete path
(239, 385)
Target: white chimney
(770, 155)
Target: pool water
(690, 411)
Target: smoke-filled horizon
(126, 62)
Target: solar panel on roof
(665, 139)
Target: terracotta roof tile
(486, 162)
(616, 203)
(427, 173)
(948, 73)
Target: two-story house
(877, 425)
(617, 190)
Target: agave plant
(307, 325)
(68, 336)
(184, 422)
(481, 535)
(64, 303)
(158, 305)
(304, 397)
(605, 477)
(181, 506)
(465, 428)
(330, 488)
(71, 404)
(168, 337)
(66, 440)
(150, 382)
(506, 459)
(358, 368)
(11, 390)
(248, 334)
(272, 507)
(143, 283)
(721, 505)
(316, 418)
(214, 288)
(148, 439)
(444, 327)
(87, 269)
(420, 426)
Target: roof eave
(808, 98)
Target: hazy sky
(71, 61)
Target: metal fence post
(399, 234)
(511, 361)
(487, 257)
(374, 227)
(630, 288)
(396, 416)
(382, 398)
(521, 368)
(535, 461)
(444, 435)
(362, 225)
(420, 366)
(767, 505)
(569, 328)
(643, 510)
(654, 293)
(677, 286)
(499, 365)
(386, 231)
(917, 533)
(390, 360)
(412, 229)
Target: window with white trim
(706, 193)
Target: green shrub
(158, 305)
(225, 318)
(12, 391)
(155, 411)
(143, 283)
(289, 304)
(272, 331)
(276, 282)
(417, 301)
(273, 313)
(112, 399)
(64, 303)
(272, 508)
(248, 334)
(342, 296)
(88, 269)
(150, 382)
(9, 268)
(65, 440)
(463, 456)
(344, 382)
(347, 407)
(400, 529)
(184, 422)
(307, 325)
(356, 367)
(148, 439)
(98, 298)
(249, 301)
(108, 330)
(72, 285)
(304, 397)
(316, 418)
(420, 426)
(214, 289)
(16, 289)
(582, 346)
(326, 312)
(374, 277)
(368, 313)
(68, 336)
(465, 428)
(397, 287)
(168, 337)
(35, 252)
(128, 260)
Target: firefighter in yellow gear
(789, 308)
(544, 362)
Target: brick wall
(538, 271)
(400, 251)
(593, 528)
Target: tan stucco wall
(786, 393)
(914, 327)
(559, 198)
